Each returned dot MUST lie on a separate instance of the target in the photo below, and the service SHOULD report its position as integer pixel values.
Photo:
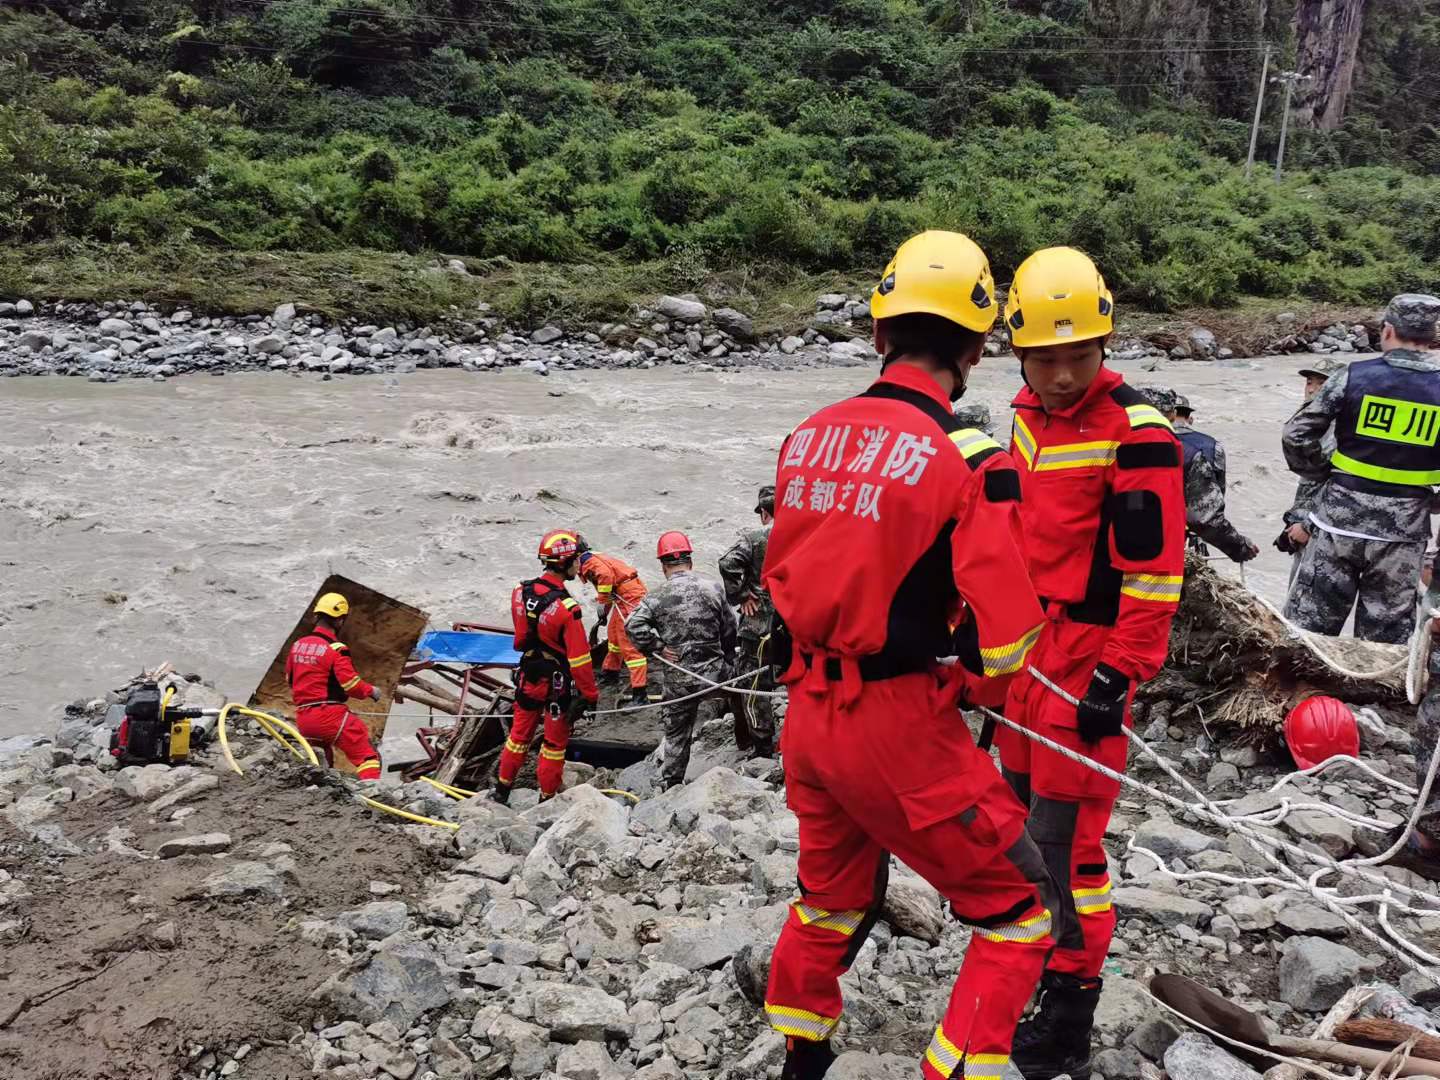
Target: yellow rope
(616, 791)
(406, 814)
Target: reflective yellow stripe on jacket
(1005, 659)
(1159, 588)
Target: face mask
(958, 391)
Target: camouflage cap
(1162, 397)
(766, 501)
(1182, 405)
(1323, 368)
(1414, 316)
(975, 415)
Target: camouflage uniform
(1427, 737)
(1205, 518)
(1365, 548)
(975, 415)
(1307, 491)
(740, 571)
(689, 615)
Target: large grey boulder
(1168, 909)
(735, 323)
(1172, 841)
(913, 907)
(375, 920)
(1194, 1057)
(588, 1061)
(576, 1013)
(1315, 973)
(203, 844)
(525, 1046)
(680, 309)
(400, 983)
(146, 782)
(245, 879)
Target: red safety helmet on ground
(673, 544)
(1320, 728)
(559, 546)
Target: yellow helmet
(332, 604)
(1057, 297)
(938, 273)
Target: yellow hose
(448, 789)
(225, 742)
(268, 724)
(406, 814)
(616, 791)
(165, 702)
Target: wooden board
(381, 633)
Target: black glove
(578, 709)
(1284, 544)
(1102, 712)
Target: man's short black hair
(923, 334)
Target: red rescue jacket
(1104, 516)
(319, 669)
(897, 534)
(558, 631)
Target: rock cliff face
(1327, 39)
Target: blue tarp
(467, 647)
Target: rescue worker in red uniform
(619, 590)
(896, 541)
(322, 677)
(1104, 520)
(556, 676)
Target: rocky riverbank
(132, 339)
(195, 924)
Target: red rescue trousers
(1069, 804)
(334, 727)
(532, 698)
(622, 649)
(856, 778)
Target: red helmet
(1320, 728)
(673, 544)
(559, 546)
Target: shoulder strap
(924, 402)
(974, 445)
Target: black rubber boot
(501, 794)
(1056, 1039)
(609, 678)
(806, 1060)
(638, 696)
(762, 748)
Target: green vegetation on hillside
(723, 136)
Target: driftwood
(1339, 1014)
(1380, 1034)
(1234, 663)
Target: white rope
(725, 685)
(1306, 638)
(1260, 842)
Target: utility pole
(1289, 78)
(1259, 108)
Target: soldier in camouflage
(1296, 534)
(687, 622)
(975, 415)
(1371, 521)
(740, 569)
(1204, 458)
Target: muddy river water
(189, 520)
